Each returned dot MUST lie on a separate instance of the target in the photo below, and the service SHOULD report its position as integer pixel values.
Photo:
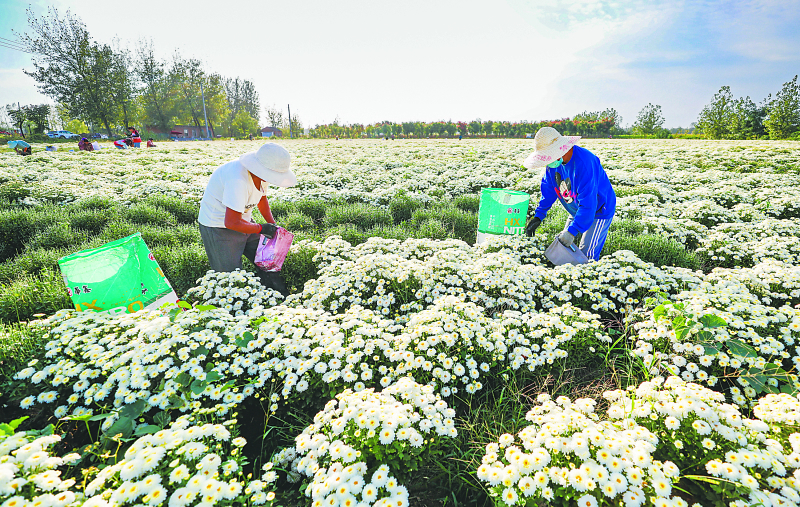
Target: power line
(16, 49)
(9, 42)
(15, 45)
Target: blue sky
(366, 61)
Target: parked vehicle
(98, 135)
(62, 134)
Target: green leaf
(6, 429)
(84, 417)
(123, 425)
(205, 308)
(184, 305)
(788, 389)
(133, 410)
(212, 376)
(100, 417)
(176, 401)
(739, 348)
(184, 379)
(710, 350)
(757, 382)
(705, 336)
(659, 311)
(162, 419)
(146, 429)
(246, 338)
(713, 321)
(200, 351)
(198, 386)
(16, 422)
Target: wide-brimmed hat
(550, 146)
(270, 163)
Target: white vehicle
(62, 134)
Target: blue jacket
(583, 188)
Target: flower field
(409, 366)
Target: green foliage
(360, 215)
(316, 209)
(32, 294)
(700, 329)
(453, 222)
(649, 120)
(653, 248)
(18, 225)
(297, 222)
(144, 213)
(96, 203)
(14, 191)
(90, 221)
(299, 267)
(430, 228)
(468, 202)
(624, 191)
(19, 344)
(31, 262)
(402, 207)
(59, 235)
(349, 233)
(783, 112)
(627, 227)
(184, 210)
(182, 265)
(729, 118)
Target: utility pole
(290, 120)
(22, 125)
(203, 95)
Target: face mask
(556, 164)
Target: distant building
(271, 132)
(184, 131)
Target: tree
(77, 126)
(715, 118)
(38, 115)
(783, 112)
(475, 127)
(242, 96)
(121, 84)
(274, 117)
(69, 66)
(187, 76)
(156, 91)
(18, 117)
(746, 120)
(649, 120)
(243, 124)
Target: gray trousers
(225, 248)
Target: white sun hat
(270, 163)
(550, 146)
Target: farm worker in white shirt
(226, 223)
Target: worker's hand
(565, 238)
(269, 230)
(532, 225)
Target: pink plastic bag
(272, 252)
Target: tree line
(587, 124)
(110, 87)
(727, 117)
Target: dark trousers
(225, 248)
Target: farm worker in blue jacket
(574, 176)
